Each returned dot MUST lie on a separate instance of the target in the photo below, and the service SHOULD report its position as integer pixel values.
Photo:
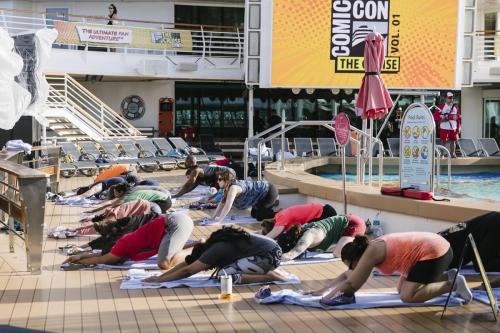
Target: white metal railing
(442, 151)
(487, 46)
(65, 92)
(279, 130)
(206, 42)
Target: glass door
(491, 119)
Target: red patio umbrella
(373, 98)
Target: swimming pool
(483, 186)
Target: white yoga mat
(198, 193)
(135, 277)
(78, 202)
(233, 219)
(482, 296)
(364, 300)
(312, 258)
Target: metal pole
(282, 164)
(259, 161)
(245, 160)
(250, 111)
(344, 180)
(388, 116)
(362, 147)
(370, 154)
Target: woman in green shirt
(123, 193)
(321, 236)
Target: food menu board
(416, 148)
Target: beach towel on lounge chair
(482, 296)
(135, 277)
(364, 300)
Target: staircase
(74, 113)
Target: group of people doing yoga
(427, 262)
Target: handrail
(219, 43)
(66, 92)
(104, 18)
(438, 164)
(292, 124)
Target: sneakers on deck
(339, 299)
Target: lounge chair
(489, 146)
(147, 160)
(165, 149)
(202, 157)
(327, 147)
(148, 146)
(115, 155)
(393, 147)
(265, 158)
(79, 162)
(90, 150)
(468, 148)
(303, 146)
(207, 143)
(276, 145)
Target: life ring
(133, 107)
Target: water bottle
(226, 286)
(376, 227)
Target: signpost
(416, 148)
(343, 135)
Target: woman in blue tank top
(243, 194)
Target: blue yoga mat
(364, 300)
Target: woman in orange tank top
(420, 257)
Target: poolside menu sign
(342, 129)
(416, 148)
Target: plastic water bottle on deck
(376, 227)
(226, 286)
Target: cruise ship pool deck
(91, 301)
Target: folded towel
(364, 300)
(135, 277)
(18, 145)
(482, 296)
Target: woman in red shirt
(280, 222)
(166, 236)
(420, 257)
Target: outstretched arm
(112, 203)
(180, 271)
(108, 258)
(359, 275)
(275, 231)
(190, 183)
(231, 195)
(302, 245)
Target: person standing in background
(113, 12)
(449, 122)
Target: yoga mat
(312, 258)
(482, 296)
(198, 193)
(135, 277)
(364, 300)
(78, 202)
(466, 270)
(233, 219)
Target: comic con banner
(416, 148)
(99, 34)
(320, 43)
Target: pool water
(483, 186)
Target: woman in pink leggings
(420, 257)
